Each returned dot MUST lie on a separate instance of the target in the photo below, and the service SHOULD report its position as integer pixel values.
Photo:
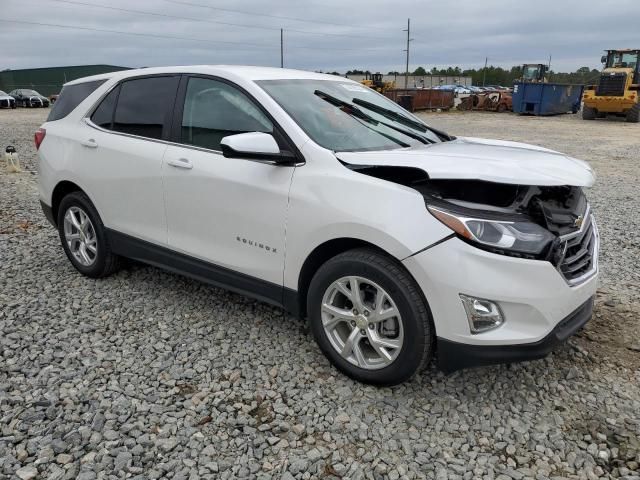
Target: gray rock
(123, 461)
(27, 473)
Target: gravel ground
(150, 375)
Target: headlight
(517, 236)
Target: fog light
(482, 314)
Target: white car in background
(311, 192)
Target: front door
(226, 211)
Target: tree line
(496, 75)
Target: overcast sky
(462, 33)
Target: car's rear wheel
(370, 318)
(83, 237)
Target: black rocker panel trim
(48, 213)
(167, 259)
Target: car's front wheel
(370, 318)
(84, 238)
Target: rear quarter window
(70, 97)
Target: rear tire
(390, 340)
(84, 238)
(588, 113)
(633, 115)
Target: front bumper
(453, 356)
(532, 294)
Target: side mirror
(603, 59)
(254, 145)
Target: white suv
(319, 195)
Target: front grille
(612, 85)
(5, 103)
(580, 252)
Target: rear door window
(70, 97)
(144, 106)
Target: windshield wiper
(398, 117)
(356, 112)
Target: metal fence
(48, 81)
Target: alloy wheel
(362, 322)
(80, 236)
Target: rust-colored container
(423, 99)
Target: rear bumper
(453, 356)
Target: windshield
(623, 60)
(30, 92)
(376, 123)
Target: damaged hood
(479, 159)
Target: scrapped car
(6, 101)
(394, 239)
(29, 98)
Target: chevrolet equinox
(312, 192)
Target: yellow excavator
(617, 92)
(375, 81)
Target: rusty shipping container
(422, 99)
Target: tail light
(39, 137)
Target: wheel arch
(61, 190)
(318, 256)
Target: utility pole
(549, 69)
(484, 72)
(281, 48)
(406, 71)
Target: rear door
(227, 211)
(122, 147)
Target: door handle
(181, 163)
(91, 143)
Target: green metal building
(48, 81)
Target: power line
(203, 20)
(280, 17)
(137, 34)
(173, 37)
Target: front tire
(84, 238)
(588, 113)
(633, 115)
(369, 317)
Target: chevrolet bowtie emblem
(578, 221)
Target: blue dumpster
(546, 98)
